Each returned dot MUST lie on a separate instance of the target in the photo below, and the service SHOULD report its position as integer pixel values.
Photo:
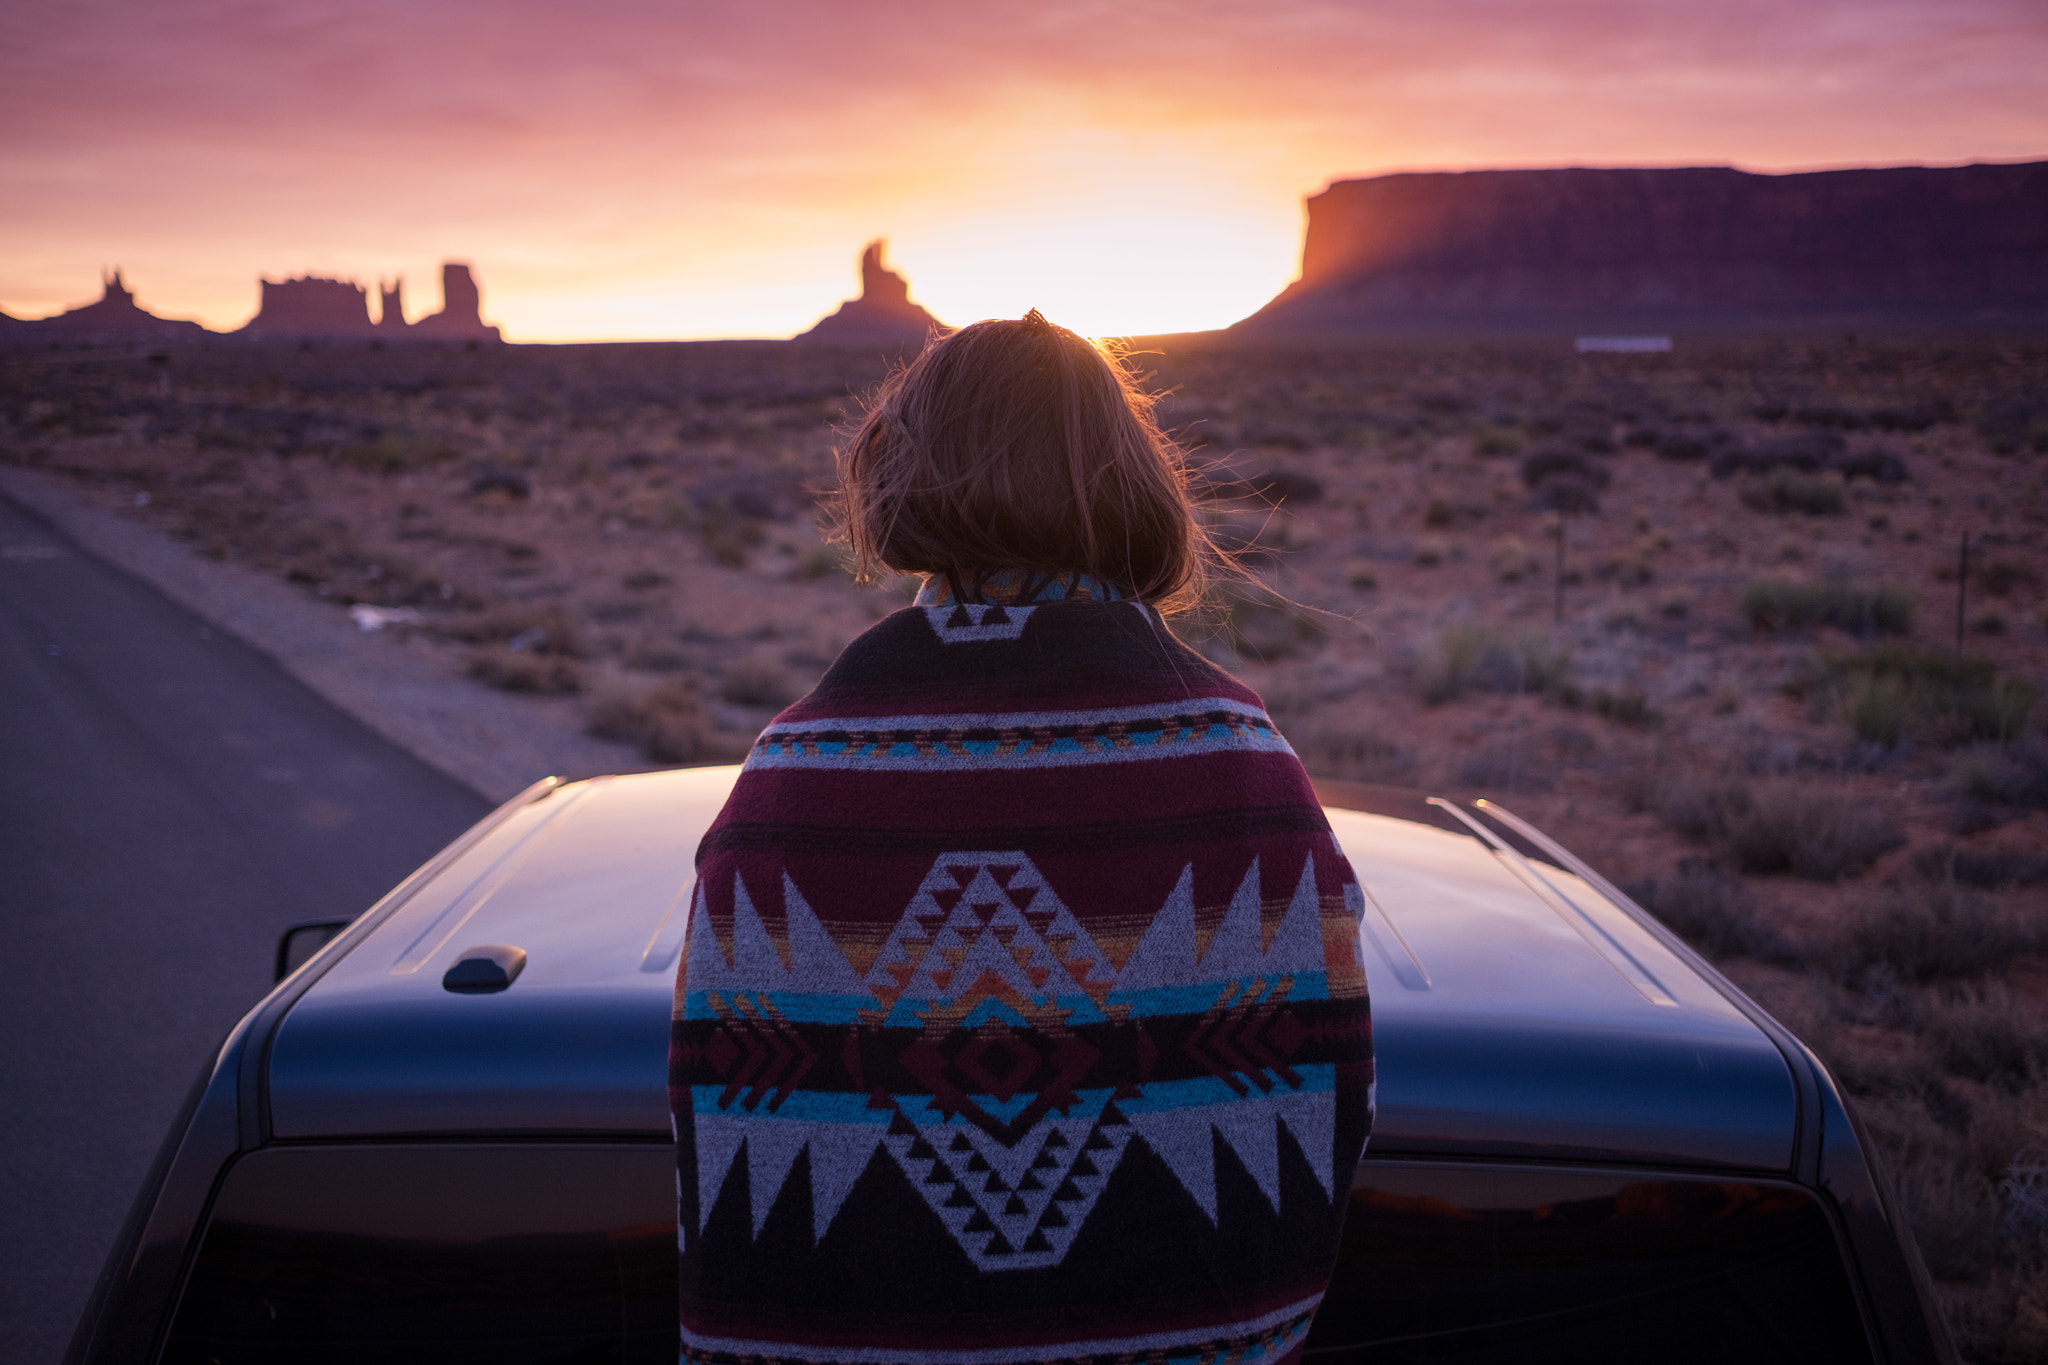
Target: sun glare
(1102, 274)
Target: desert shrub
(1914, 416)
(1567, 493)
(1682, 445)
(2000, 577)
(1714, 912)
(1625, 706)
(1489, 659)
(1256, 621)
(1545, 465)
(1565, 479)
(1796, 604)
(508, 482)
(392, 452)
(1496, 442)
(1953, 1212)
(2004, 774)
(756, 685)
(1924, 931)
(1273, 486)
(1806, 451)
(1785, 491)
(1806, 829)
(520, 628)
(1898, 691)
(525, 671)
(668, 722)
(2009, 428)
(1330, 749)
(1989, 869)
(1880, 466)
(729, 539)
(1987, 1033)
(1832, 415)
(1511, 560)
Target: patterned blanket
(1021, 1017)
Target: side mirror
(301, 941)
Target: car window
(446, 1252)
(566, 1253)
(1449, 1264)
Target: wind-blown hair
(1020, 445)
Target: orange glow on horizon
(627, 171)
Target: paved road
(169, 800)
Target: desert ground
(1709, 617)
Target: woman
(1022, 1017)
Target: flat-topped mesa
(1592, 249)
(114, 316)
(882, 314)
(310, 306)
(461, 315)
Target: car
(445, 1135)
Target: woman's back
(1021, 1017)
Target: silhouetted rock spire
(114, 317)
(461, 314)
(882, 314)
(391, 317)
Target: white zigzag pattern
(1183, 1137)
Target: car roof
(1518, 1011)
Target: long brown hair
(1020, 445)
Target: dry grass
(1811, 829)
(548, 675)
(1715, 912)
(669, 722)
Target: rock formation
(883, 314)
(391, 316)
(115, 317)
(311, 307)
(1650, 248)
(461, 315)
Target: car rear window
(524, 1254)
(405, 1253)
(1449, 1264)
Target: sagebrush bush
(756, 685)
(1816, 495)
(1811, 830)
(1478, 657)
(1990, 869)
(526, 671)
(1919, 930)
(2004, 774)
(1796, 604)
(1987, 1032)
(525, 629)
(1898, 691)
(1714, 912)
(1255, 621)
(668, 722)
(1330, 749)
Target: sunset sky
(660, 168)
